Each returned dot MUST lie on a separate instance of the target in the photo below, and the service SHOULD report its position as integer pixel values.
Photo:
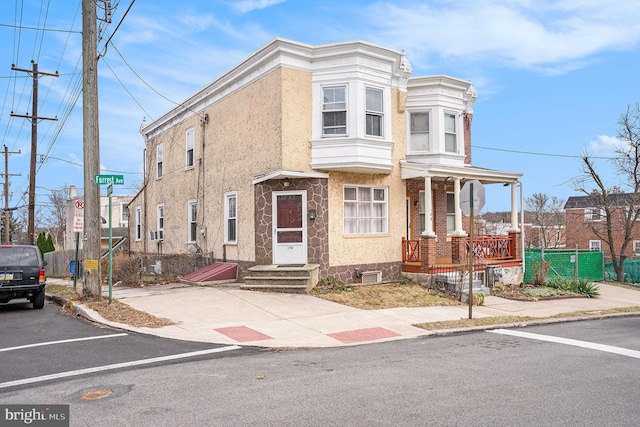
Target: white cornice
(278, 53)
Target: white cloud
(545, 36)
(249, 5)
(604, 145)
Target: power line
(541, 154)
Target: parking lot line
(116, 366)
(39, 344)
(576, 343)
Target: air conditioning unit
(153, 234)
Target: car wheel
(38, 300)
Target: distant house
(119, 217)
(586, 214)
(329, 156)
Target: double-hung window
(160, 222)
(138, 222)
(450, 133)
(334, 110)
(189, 144)
(419, 132)
(374, 112)
(594, 215)
(124, 212)
(230, 218)
(159, 161)
(595, 245)
(365, 210)
(192, 215)
(451, 213)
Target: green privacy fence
(631, 271)
(562, 263)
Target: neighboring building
(119, 217)
(317, 155)
(584, 214)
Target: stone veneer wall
(391, 271)
(317, 230)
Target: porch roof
(411, 170)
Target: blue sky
(552, 77)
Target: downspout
(204, 121)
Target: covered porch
(437, 235)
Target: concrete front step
(292, 279)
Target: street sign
(478, 197)
(78, 216)
(109, 179)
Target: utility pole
(34, 143)
(91, 150)
(7, 211)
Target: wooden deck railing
(410, 250)
(492, 247)
(487, 248)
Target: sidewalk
(227, 315)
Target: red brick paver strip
(359, 335)
(243, 334)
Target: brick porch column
(517, 244)
(427, 252)
(459, 249)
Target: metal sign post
(471, 195)
(110, 180)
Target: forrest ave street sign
(478, 197)
(109, 179)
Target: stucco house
(329, 158)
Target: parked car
(22, 274)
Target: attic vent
(371, 276)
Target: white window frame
(455, 133)
(411, 132)
(231, 217)
(359, 212)
(192, 221)
(594, 215)
(160, 221)
(124, 212)
(329, 107)
(190, 138)
(159, 161)
(595, 245)
(138, 223)
(636, 247)
(451, 215)
(371, 112)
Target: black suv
(22, 274)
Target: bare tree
(54, 218)
(547, 216)
(620, 213)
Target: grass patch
(467, 323)
(376, 297)
(115, 311)
(507, 320)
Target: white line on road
(577, 343)
(20, 347)
(116, 366)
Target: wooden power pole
(91, 151)
(34, 143)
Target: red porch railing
(484, 248)
(410, 250)
(492, 247)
